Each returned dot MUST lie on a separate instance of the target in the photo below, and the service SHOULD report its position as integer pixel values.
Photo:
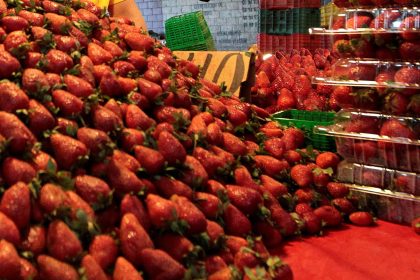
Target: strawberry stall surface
(386, 251)
(117, 161)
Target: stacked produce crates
(378, 133)
(189, 32)
(283, 25)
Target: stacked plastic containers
(377, 81)
(284, 25)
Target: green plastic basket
(306, 120)
(188, 32)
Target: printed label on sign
(221, 66)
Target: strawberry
(396, 128)
(98, 55)
(27, 270)
(9, 64)
(233, 144)
(415, 224)
(62, 243)
(286, 100)
(136, 118)
(337, 190)
(91, 189)
(214, 264)
(100, 71)
(52, 269)
(235, 243)
(137, 58)
(91, 269)
(329, 215)
(8, 230)
(273, 186)
(12, 97)
(209, 204)
(161, 211)
(244, 179)
(361, 218)
(217, 108)
(225, 155)
(149, 89)
(244, 259)
(270, 165)
(170, 148)
(271, 236)
(176, 246)
(33, 80)
(187, 211)
(252, 147)
(293, 138)
(410, 50)
(168, 187)
(396, 103)
(283, 220)
(67, 150)
(159, 265)
(134, 238)
(312, 223)
(16, 204)
(197, 126)
(236, 223)
(139, 42)
(111, 85)
(66, 44)
(104, 250)
(327, 159)
(408, 76)
(214, 134)
(168, 114)
(58, 61)
(343, 96)
(66, 126)
(151, 160)
(35, 240)
(51, 197)
(105, 120)
(68, 104)
(305, 195)
(245, 199)
(15, 39)
(195, 174)
(292, 157)
(78, 86)
(40, 119)
(236, 116)
(124, 270)
(275, 147)
(123, 179)
(302, 175)
(113, 48)
(15, 170)
(222, 274)
(358, 21)
(211, 162)
(33, 19)
(131, 204)
(10, 264)
(303, 207)
(94, 139)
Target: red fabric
(384, 252)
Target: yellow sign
(229, 67)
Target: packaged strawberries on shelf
(385, 204)
(387, 86)
(380, 177)
(383, 33)
(375, 3)
(376, 139)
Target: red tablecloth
(385, 252)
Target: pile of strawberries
(115, 157)
(283, 81)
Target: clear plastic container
(373, 73)
(375, 3)
(374, 176)
(387, 205)
(358, 139)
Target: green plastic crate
(188, 32)
(306, 120)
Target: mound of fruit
(116, 158)
(284, 81)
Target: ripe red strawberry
(104, 250)
(35, 240)
(62, 243)
(293, 138)
(15, 170)
(214, 134)
(76, 203)
(292, 157)
(275, 147)
(236, 223)
(130, 138)
(78, 86)
(168, 113)
(327, 159)
(167, 187)
(52, 269)
(415, 224)
(209, 204)
(217, 108)
(211, 162)
(312, 223)
(410, 50)
(176, 246)
(396, 103)
(395, 128)
(236, 116)
(58, 61)
(12, 97)
(67, 150)
(13, 40)
(361, 218)
(98, 55)
(16, 204)
(233, 144)
(244, 179)
(337, 190)
(359, 21)
(235, 243)
(270, 165)
(252, 147)
(150, 89)
(139, 42)
(10, 265)
(134, 238)
(151, 160)
(273, 186)
(136, 118)
(302, 175)
(170, 148)
(222, 274)
(124, 270)
(283, 220)
(123, 179)
(51, 197)
(271, 236)
(244, 259)
(195, 174)
(161, 211)
(91, 189)
(245, 199)
(197, 126)
(159, 265)
(286, 100)
(33, 80)
(8, 230)
(225, 155)
(27, 270)
(69, 104)
(10, 64)
(343, 96)
(305, 195)
(40, 119)
(214, 264)
(304, 207)
(91, 269)
(187, 211)
(408, 76)
(105, 119)
(329, 215)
